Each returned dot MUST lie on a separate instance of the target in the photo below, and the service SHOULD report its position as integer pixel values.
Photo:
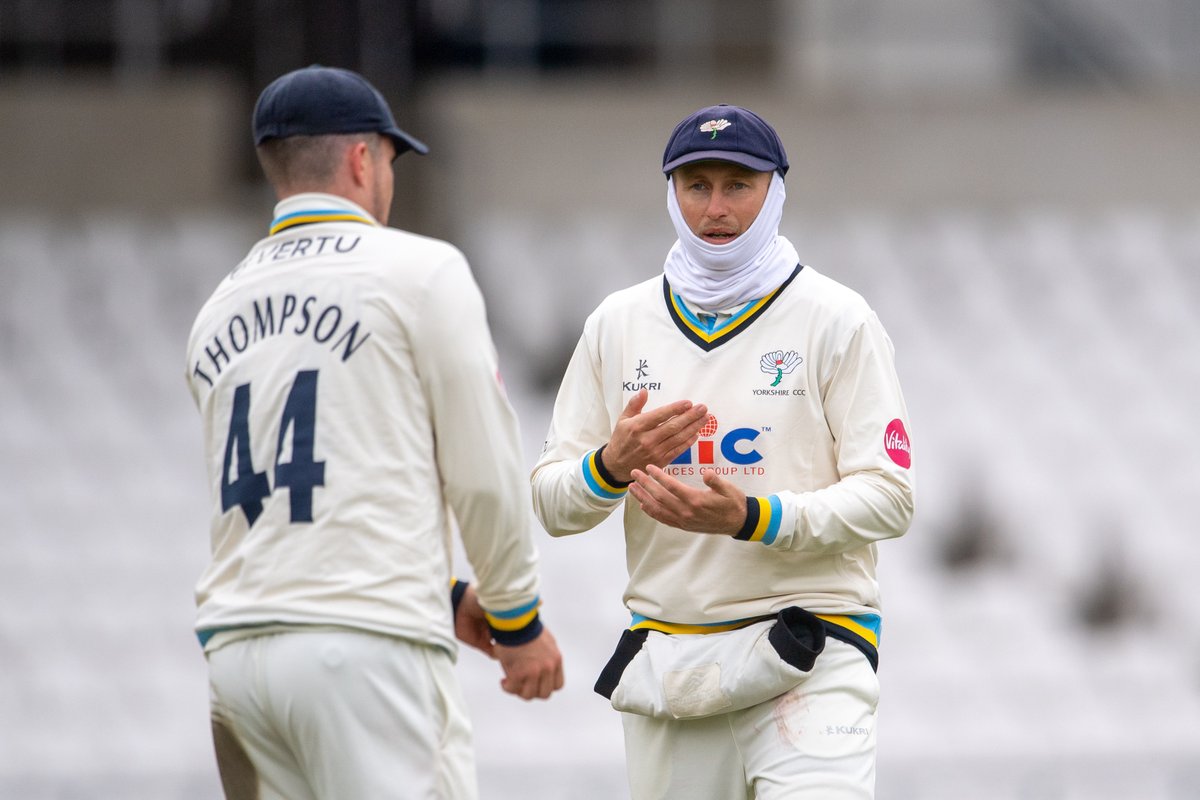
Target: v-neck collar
(707, 336)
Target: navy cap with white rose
(726, 133)
(318, 100)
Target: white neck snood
(715, 277)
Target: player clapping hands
(643, 442)
(656, 437)
(719, 508)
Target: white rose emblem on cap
(714, 125)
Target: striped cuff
(762, 520)
(457, 590)
(515, 626)
(600, 480)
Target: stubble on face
(719, 200)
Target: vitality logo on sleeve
(895, 441)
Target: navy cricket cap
(321, 100)
(726, 133)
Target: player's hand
(533, 669)
(470, 624)
(656, 437)
(719, 507)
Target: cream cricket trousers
(335, 715)
(815, 742)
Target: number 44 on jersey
(247, 488)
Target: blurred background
(1013, 184)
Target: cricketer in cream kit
(297, 362)
(802, 389)
(746, 409)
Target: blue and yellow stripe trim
(309, 217)
(516, 625)
(864, 626)
(762, 520)
(859, 630)
(708, 337)
(646, 623)
(599, 480)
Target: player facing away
(746, 410)
(353, 416)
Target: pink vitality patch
(895, 441)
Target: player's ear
(358, 155)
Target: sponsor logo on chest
(641, 373)
(724, 452)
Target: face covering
(714, 277)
